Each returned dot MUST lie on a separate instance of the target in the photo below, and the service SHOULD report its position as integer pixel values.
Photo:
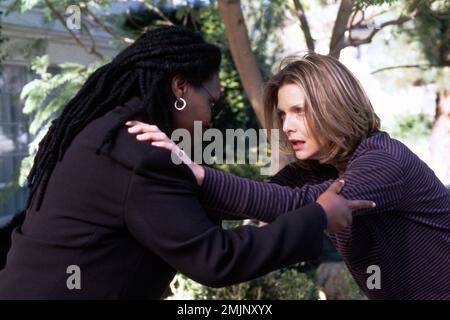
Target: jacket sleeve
(163, 213)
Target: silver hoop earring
(176, 104)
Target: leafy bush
(412, 126)
(287, 283)
(45, 98)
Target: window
(14, 137)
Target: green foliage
(10, 189)
(412, 126)
(430, 26)
(45, 98)
(287, 283)
(3, 41)
(26, 5)
(263, 20)
(427, 59)
(354, 292)
(360, 3)
(22, 5)
(432, 30)
(250, 171)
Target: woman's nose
(288, 125)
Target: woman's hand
(338, 209)
(148, 132)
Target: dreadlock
(143, 69)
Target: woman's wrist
(198, 171)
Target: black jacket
(129, 219)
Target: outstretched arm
(260, 200)
(263, 204)
(163, 213)
(375, 175)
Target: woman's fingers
(336, 186)
(136, 127)
(152, 136)
(163, 144)
(349, 219)
(143, 128)
(361, 204)
(148, 132)
(135, 123)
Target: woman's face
(200, 102)
(291, 109)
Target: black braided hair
(143, 69)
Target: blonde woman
(331, 127)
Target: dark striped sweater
(407, 235)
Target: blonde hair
(337, 110)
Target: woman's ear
(179, 86)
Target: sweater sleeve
(374, 175)
(259, 200)
(291, 176)
(377, 176)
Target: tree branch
(407, 66)
(376, 15)
(243, 57)
(304, 25)
(340, 26)
(396, 22)
(194, 23)
(361, 20)
(106, 28)
(158, 12)
(356, 24)
(77, 40)
(93, 43)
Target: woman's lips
(297, 144)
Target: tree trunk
(245, 62)
(243, 57)
(340, 26)
(336, 283)
(440, 136)
(304, 25)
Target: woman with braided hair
(109, 217)
(143, 69)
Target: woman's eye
(282, 115)
(212, 105)
(299, 110)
